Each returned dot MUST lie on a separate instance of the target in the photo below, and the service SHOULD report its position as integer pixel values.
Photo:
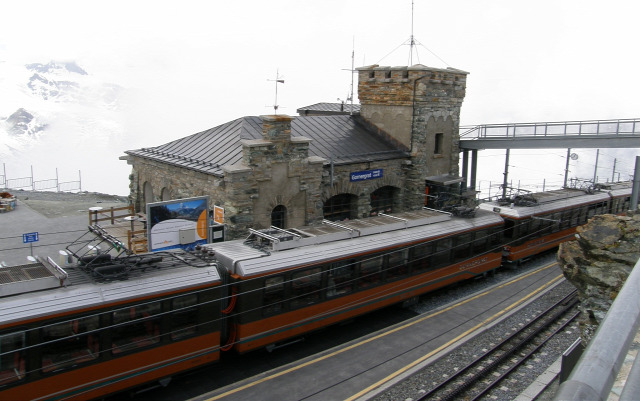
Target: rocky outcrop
(598, 263)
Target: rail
(595, 373)
(620, 127)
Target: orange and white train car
(66, 335)
(293, 281)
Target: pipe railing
(625, 127)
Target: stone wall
(181, 183)
(414, 105)
(598, 263)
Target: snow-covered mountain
(59, 116)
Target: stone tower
(419, 107)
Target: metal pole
(566, 169)
(474, 168)
(613, 175)
(506, 173)
(595, 171)
(636, 185)
(57, 181)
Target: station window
(12, 360)
(305, 287)
(135, 327)
(341, 278)
(340, 207)
(184, 316)
(278, 216)
(273, 295)
(382, 200)
(438, 144)
(69, 343)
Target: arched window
(278, 216)
(382, 200)
(340, 207)
(166, 194)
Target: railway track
(488, 370)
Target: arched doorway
(279, 216)
(382, 200)
(340, 207)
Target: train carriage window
(534, 227)
(575, 217)
(565, 219)
(184, 316)
(509, 228)
(555, 224)
(12, 360)
(496, 239)
(273, 296)
(397, 264)
(420, 257)
(442, 252)
(69, 343)
(370, 270)
(479, 245)
(591, 211)
(340, 278)
(461, 247)
(305, 287)
(135, 327)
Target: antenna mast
(352, 70)
(278, 80)
(412, 41)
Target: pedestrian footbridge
(546, 135)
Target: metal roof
(341, 137)
(329, 108)
(246, 260)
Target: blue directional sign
(30, 237)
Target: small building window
(372, 74)
(278, 216)
(382, 200)
(387, 74)
(340, 207)
(438, 144)
(405, 74)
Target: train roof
(77, 290)
(546, 202)
(247, 258)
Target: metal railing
(29, 182)
(621, 127)
(595, 373)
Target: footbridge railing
(553, 134)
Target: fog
(187, 67)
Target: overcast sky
(191, 65)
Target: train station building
(332, 161)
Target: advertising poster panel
(179, 223)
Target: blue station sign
(30, 237)
(366, 175)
